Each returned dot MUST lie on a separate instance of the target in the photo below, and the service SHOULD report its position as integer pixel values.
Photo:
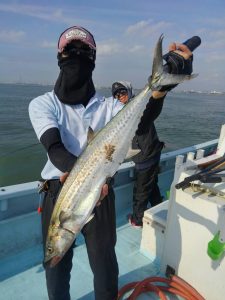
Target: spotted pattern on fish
(109, 150)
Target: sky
(125, 31)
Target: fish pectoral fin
(90, 135)
(169, 79)
(69, 221)
(67, 216)
(64, 216)
(132, 152)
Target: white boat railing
(20, 223)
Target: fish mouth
(52, 262)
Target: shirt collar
(95, 98)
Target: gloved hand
(176, 64)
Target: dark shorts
(100, 239)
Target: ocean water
(186, 119)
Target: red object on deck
(174, 285)
(39, 209)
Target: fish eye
(50, 250)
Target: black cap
(116, 87)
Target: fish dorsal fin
(90, 135)
(132, 152)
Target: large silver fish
(101, 159)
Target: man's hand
(158, 94)
(178, 61)
(180, 49)
(62, 178)
(104, 193)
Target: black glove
(176, 64)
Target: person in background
(61, 119)
(146, 189)
(147, 161)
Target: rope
(159, 285)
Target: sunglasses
(85, 51)
(120, 93)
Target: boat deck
(29, 283)
(21, 272)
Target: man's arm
(151, 113)
(60, 157)
(178, 61)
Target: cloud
(137, 48)
(215, 57)
(111, 47)
(44, 13)
(11, 36)
(213, 39)
(220, 22)
(142, 25)
(108, 47)
(46, 44)
(147, 28)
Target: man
(61, 119)
(147, 161)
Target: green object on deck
(167, 194)
(215, 247)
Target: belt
(46, 185)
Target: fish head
(57, 245)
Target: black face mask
(74, 84)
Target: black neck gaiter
(74, 84)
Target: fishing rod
(213, 178)
(214, 172)
(212, 169)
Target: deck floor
(29, 283)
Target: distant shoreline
(105, 87)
